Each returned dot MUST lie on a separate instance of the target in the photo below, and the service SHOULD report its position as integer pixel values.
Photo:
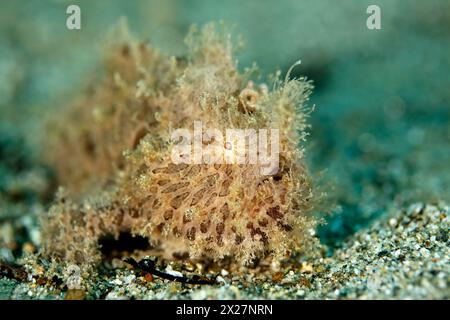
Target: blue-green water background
(380, 134)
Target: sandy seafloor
(380, 142)
(403, 257)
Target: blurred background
(380, 136)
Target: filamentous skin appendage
(111, 151)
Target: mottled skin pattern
(112, 155)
